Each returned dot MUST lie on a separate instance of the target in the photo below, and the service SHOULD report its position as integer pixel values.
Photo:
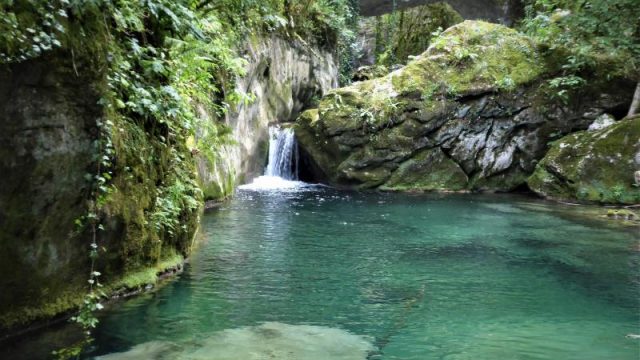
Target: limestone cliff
(47, 115)
(283, 77)
(49, 129)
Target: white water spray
(283, 154)
(282, 168)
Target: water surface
(416, 276)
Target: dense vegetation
(591, 40)
(157, 64)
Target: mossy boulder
(592, 166)
(467, 114)
(428, 170)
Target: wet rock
(622, 214)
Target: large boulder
(594, 165)
(468, 114)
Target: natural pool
(323, 274)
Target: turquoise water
(390, 276)
(419, 277)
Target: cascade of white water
(281, 173)
(283, 154)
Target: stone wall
(48, 119)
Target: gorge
(301, 180)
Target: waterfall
(281, 173)
(283, 154)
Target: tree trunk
(635, 103)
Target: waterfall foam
(282, 167)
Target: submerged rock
(595, 166)
(465, 115)
(271, 340)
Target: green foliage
(328, 23)
(164, 70)
(29, 28)
(406, 33)
(597, 39)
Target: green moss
(592, 166)
(363, 132)
(148, 275)
(71, 298)
(428, 170)
(24, 315)
(473, 57)
(367, 178)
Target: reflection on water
(404, 276)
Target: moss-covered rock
(593, 166)
(467, 114)
(49, 116)
(428, 170)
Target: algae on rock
(592, 166)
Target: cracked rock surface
(468, 114)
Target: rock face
(49, 117)
(594, 166)
(283, 77)
(465, 115)
(47, 114)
